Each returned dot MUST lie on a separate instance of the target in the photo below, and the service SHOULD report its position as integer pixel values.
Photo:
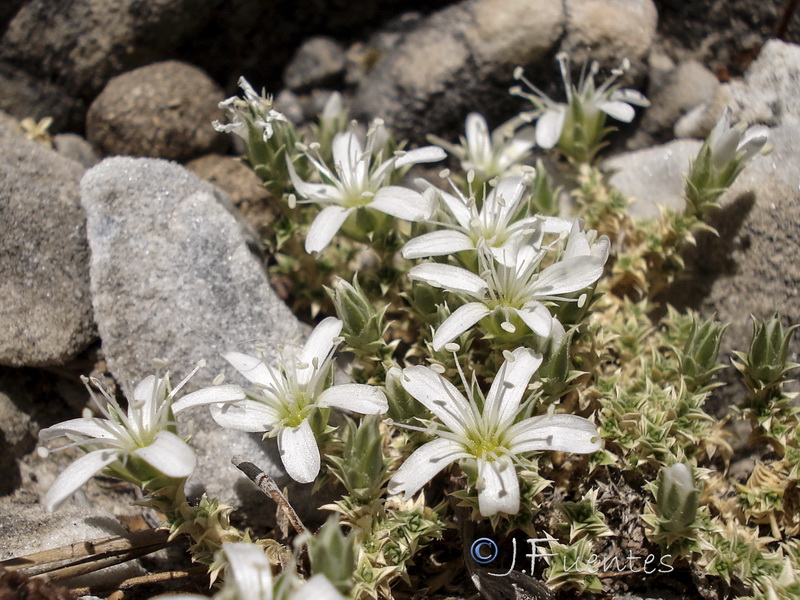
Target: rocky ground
(129, 232)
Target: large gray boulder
(752, 266)
(454, 60)
(81, 44)
(46, 312)
(654, 177)
(766, 94)
(172, 278)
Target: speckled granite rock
(46, 312)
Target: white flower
(614, 102)
(253, 112)
(119, 441)
(286, 398)
(497, 226)
(487, 436)
(519, 288)
(734, 143)
(492, 155)
(248, 576)
(358, 183)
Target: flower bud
(362, 464)
(699, 358)
(724, 155)
(677, 497)
(765, 363)
(332, 554)
(362, 325)
(402, 406)
(555, 372)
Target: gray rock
(765, 95)
(26, 528)
(46, 313)
(16, 436)
(687, 86)
(752, 267)
(163, 110)
(172, 278)
(319, 62)
(76, 148)
(81, 44)
(455, 60)
(610, 30)
(653, 177)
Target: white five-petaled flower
(286, 397)
(146, 432)
(497, 226)
(615, 102)
(357, 183)
(254, 111)
(729, 143)
(494, 155)
(248, 576)
(487, 435)
(518, 288)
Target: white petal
(601, 248)
(145, 390)
(402, 203)
(457, 208)
(146, 396)
(450, 278)
(752, 141)
(317, 351)
(549, 126)
(577, 243)
(92, 428)
(457, 323)
(252, 368)
(477, 133)
(245, 415)
(423, 465)
(500, 491)
(510, 190)
(507, 254)
(317, 588)
(518, 146)
(620, 111)
(537, 318)
(360, 398)
(169, 454)
(75, 475)
(567, 433)
(510, 385)
(214, 395)
(426, 154)
(249, 569)
(555, 225)
(347, 154)
(299, 452)
(437, 243)
(325, 226)
(318, 192)
(630, 96)
(569, 276)
(440, 397)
